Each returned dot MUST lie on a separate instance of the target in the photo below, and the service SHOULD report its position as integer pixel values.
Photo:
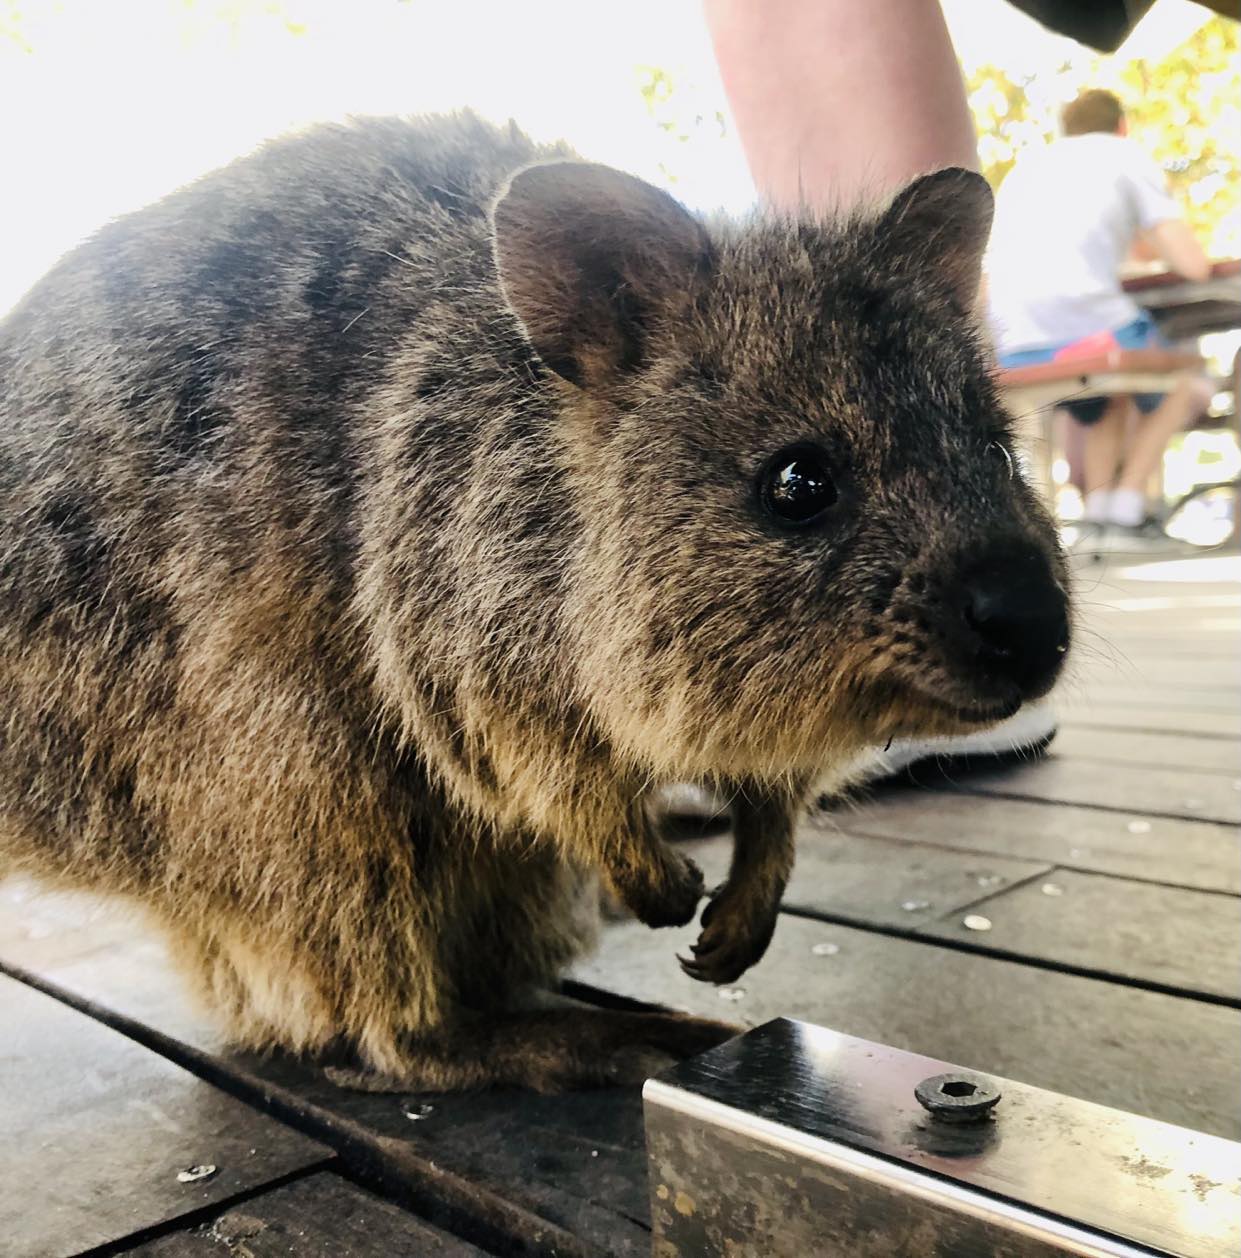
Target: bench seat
(1032, 393)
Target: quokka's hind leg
(548, 1050)
(267, 994)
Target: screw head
(958, 1098)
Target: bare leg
(546, 1050)
(739, 921)
(1105, 443)
(837, 101)
(1180, 408)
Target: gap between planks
(914, 935)
(861, 832)
(385, 1167)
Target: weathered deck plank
(1102, 1041)
(1165, 751)
(1189, 940)
(514, 1172)
(1158, 670)
(321, 1216)
(1149, 888)
(1131, 930)
(1197, 854)
(1220, 700)
(97, 1128)
(1152, 791)
(880, 881)
(1143, 714)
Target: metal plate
(794, 1139)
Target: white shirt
(1065, 219)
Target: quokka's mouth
(985, 716)
(973, 714)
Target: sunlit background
(107, 104)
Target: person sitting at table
(1067, 217)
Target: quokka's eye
(796, 487)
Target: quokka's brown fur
(378, 525)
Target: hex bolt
(958, 1098)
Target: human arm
(837, 102)
(1161, 233)
(1175, 244)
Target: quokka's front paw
(666, 895)
(737, 927)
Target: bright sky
(119, 102)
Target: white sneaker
(1147, 538)
(686, 810)
(1025, 735)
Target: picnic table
(1108, 876)
(1185, 309)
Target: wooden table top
(1185, 309)
(1221, 269)
(1159, 362)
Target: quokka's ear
(591, 260)
(940, 223)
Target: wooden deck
(1109, 873)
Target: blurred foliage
(668, 107)
(234, 16)
(1183, 108)
(21, 20)
(12, 27)
(680, 109)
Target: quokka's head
(803, 529)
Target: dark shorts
(1089, 410)
(1140, 334)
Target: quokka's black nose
(1014, 618)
